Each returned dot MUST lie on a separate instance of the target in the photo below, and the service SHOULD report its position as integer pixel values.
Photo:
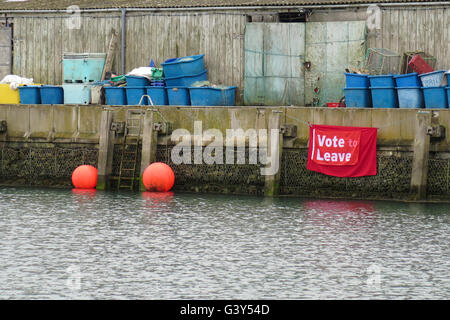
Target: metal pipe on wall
(123, 40)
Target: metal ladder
(130, 148)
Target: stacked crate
(80, 71)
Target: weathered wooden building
(278, 52)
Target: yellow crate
(8, 96)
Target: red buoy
(158, 177)
(84, 177)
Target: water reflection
(188, 246)
(84, 195)
(155, 200)
(333, 212)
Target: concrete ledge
(75, 123)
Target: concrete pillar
(105, 151)
(274, 153)
(421, 153)
(149, 144)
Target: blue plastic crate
(448, 96)
(136, 81)
(410, 97)
(209, 96)
(435, 97)
(382, 81)
(158, 95)
(176, 67)
(178, 96)
(52, 95)
(77, 93)
(30, 94)
(83, 67)
(115, 96)
(384, 97)
(354, 80)
(134, 95)
(432, 79)
(186, 80)
(408, 80)
(357, 98)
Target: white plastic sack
(444, 82)
(15, 81)
(141, 72)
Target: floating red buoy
(84, 177)
(158, 177)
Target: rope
(274, 54)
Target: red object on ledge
(419, 65)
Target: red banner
(342, 151)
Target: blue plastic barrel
(382, 81)
(134, 95)
(448, 96)
(435, 97)
(408, 80)
(209, 96)
(115, 96)
(178, 96)
(158, 95)
(354, 80)
(384, 97)
(410, 97)
(30, 94)
(357, 97)
(52, 95)
(136, 81)
(432, 79)
(186, 80)
(176, 67)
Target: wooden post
(110, 54)
(149, 144)
(105, 151)
(273, 167)
(421, 153)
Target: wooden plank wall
(40, 40)
(416, 29)
(220, 36)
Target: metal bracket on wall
(3, 126)
(437, 132)
(289, 130)
(118, 127)
(163, 128)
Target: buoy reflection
(156, 199)
(84, 195)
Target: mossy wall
(44, 144)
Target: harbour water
(63, 244)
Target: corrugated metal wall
(40, 39)
(416, 29)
